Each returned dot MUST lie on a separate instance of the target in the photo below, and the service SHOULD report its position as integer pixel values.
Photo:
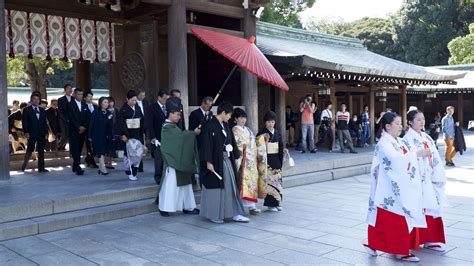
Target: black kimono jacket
(275, 161)
(212, 150)
(126, 112)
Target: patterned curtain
(47, 36)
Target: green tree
(462, 48)
(327, 25)
(286, 12)
(424, 28)
(34, 72)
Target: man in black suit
(52, 115)
(36, 130)
(63, 107)
(156, 116)
(143, 104)
(90, 161)
(199, 117)
(181, 123)
(78, 117)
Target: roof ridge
(306, 35)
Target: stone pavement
(321, 224)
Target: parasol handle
(220, 91)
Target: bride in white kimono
(395, 203)
(433, 181)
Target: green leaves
(462, 48)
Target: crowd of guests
(234, 166)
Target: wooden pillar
(333, 100)
(404, 105)
(361, 104)
(460, 109)
(83, 75)
(350, 103)
(4, 144)
(177, 52)
(280, 109)
(372, 112)
(421, 103)
(192, 70)
(249, 83)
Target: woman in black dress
(114, 143)
(100, 132)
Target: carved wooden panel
(132, 71)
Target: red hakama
(433, 233)
(390, 233)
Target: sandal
(409, 258)
(435, 247)
(372, 252)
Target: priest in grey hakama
(220, 198)
(180, 164)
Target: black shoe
(140, 170)
(102, 173)
(451, 164)
(195, 211)
(314, 150)
(165, 214)
(23, 168)
(79, 172)
(303, 151)
(353, 151)
(110, 167)
(342, 151)
(43, 170)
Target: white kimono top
(433, 176)
(396, 182)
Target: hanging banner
(33, 34)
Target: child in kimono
(274, 153)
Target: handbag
(288, 162)
(51, 137)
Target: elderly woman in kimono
(395, 203)
(433, 181)
(130, 128)
(246, 164)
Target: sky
(350, 10)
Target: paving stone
(461, 254)
(236, 230)
(118, 258)
(18, 229)
(61, 258)
(298, 244)
(341, 241)
(358, 258)
(24, 211)
(339, 230)
(30, 246)
(191, 246)
(234, 257)
(83, 247)
(285, 230)
(463, 226)
(8, 257)
(292, 257)
(458, 232)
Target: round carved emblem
(132, 72)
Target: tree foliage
(286, 12)
(33, 72)
(462, 48)
(424, 28)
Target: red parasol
(242, 52)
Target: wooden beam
(333, 100)
(350, 103)
(4, 144)
(66, 8)
(144, 10)
(206, 7)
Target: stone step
(50, 223)
(326, 175)
(29, 210)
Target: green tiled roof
(306, 49)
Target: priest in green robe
(180, 164)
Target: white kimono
(396, 183)
(433, 176)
